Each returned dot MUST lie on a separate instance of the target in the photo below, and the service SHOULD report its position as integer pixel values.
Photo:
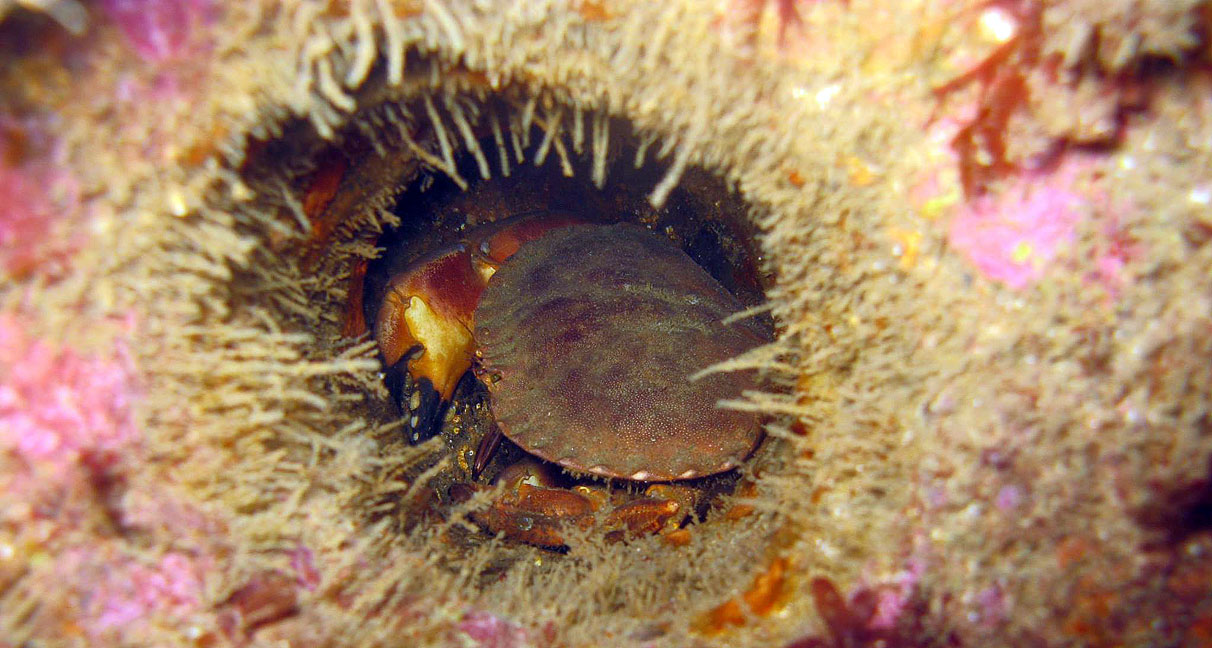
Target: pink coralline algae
(118, 593)
(159, 30)
(1009, 498)
(173, 585)
(892, 597)
(1013, 236)
(61, 410)
(28, 212)
(23, 221)
(485, 630)
(302, 560)
(992, 607)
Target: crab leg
(426, 322)
(535, 510)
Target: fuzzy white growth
(526, 121)
(374, 136)
(448, 161)
(324, 119)
(551, 128)
(747, 313)
(394, 34)
(562, 152)
(767, 403)
(364, 43)
(434, 445)
(427, 157)
(469, 138)
(330, 89)
(372, 129)
(516, 141)
(601, 146)
(314, 72)
(642, 150)
(578, 130)
(449, 25)
(666, 148)
(295, 207)
(768, 358)
(502, 152)
(672, 176)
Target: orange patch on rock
(320, 193)
(354, 323)
(859, 172)
(738, 511)
(594, 11)
(1071, 550)
(764, 596)
(203, 148)
(679, 538)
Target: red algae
(850, 622)
(767, 593)
(1063, 96)
(1002, 76)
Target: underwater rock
(987, 423)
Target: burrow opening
(700, 215)
(410, 172)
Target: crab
(591, 339)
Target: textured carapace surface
(594, 332)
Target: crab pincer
(425, 325)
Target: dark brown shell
(594, 332)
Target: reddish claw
(427, 318)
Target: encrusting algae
(980, 231)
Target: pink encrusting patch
(894, 595)
(303, 561)
(1014, 236)
(60, 409)
(160, 29)
(27, 217)
(120, 593)
(24, 220)
(130, 592)
(486, 630)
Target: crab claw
(420, 403)
(424, 328)
(425, 324)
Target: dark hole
(1183, 512)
